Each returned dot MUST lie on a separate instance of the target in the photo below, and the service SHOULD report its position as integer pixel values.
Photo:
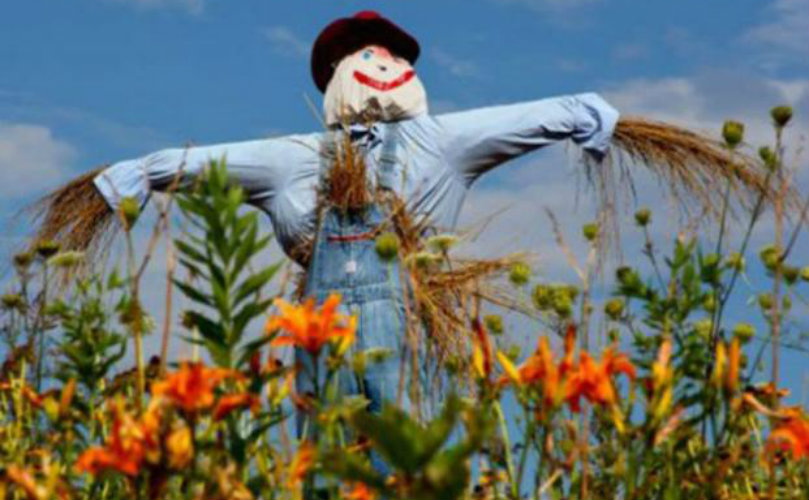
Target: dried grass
(76, 216)
(692, 166)
(345, 185)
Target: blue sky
(86, 82)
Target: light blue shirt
(438, 158)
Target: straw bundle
(76, 216)
(690, 165)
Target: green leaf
(193, 293)
(254, 283)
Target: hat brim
(348, 35)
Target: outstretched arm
(261, 167)
(481, 139)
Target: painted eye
(367, 54)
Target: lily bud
(733, 133)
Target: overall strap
(386, 178)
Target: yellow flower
(180, 447)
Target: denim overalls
(344, 260)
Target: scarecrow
(386, 166)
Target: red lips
(384, 86)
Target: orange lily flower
(310, 329)
(191, 388)
(792, 435)
(593, 381)
(360, 491)
(124, 450)
(231, 402)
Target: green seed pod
(571, 291)
(786, 302)
(765, 301)
(781, 115)
(614, 309)
(643, 217)
(442, 242)
(709, 303)
(735, 261)
(769, 256)
(805, 273)
(66, 260)
(744, 332)
(520, 273)
(590, 231)
(768, 157)
(791, 274)
(562, 305)
(130, 210)
(423, 260)
(387, 246)
(733, 133)
(703, 329)
(47, 249)
(23, 260)
(513, 352)
(12, 301)
(494, 323)
(542, 297)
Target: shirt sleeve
(260, 167)
(478, 140)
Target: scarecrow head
(364, 66)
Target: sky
(87, 82)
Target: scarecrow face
(373, 85)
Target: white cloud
(191, 6)
(787, 27)
(286, 42)
(704, 101)
(31, 159)
(455, 66)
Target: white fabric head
(373, 85)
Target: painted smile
(384, 86)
